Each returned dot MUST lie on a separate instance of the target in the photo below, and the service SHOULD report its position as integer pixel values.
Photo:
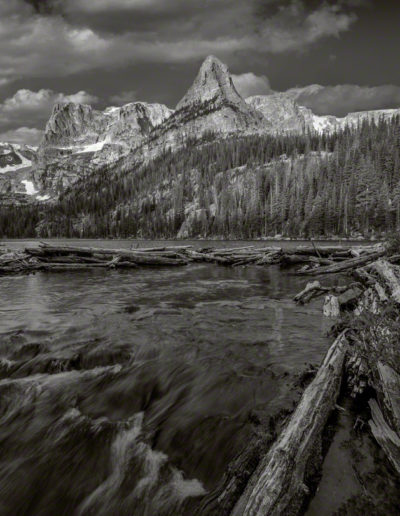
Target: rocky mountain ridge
(78, 140)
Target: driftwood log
(279, 485)
(314, 260)
(373, 360)
(385, 436)
(346, 264)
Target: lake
(132, 392)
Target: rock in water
(331, 306)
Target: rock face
(287, 116)
(211, 106)
(283, 113)
(80, 125)
(213, 98)
(331, 123)
(79, 139)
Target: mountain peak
(67, 119)
(213, 82)
(212, 62)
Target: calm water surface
(131, 392)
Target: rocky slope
(282, 112)
(287, 116)
(17, 181)
(213, 96)
(79, 139)
(211, 105)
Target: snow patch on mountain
(13, 158)
(29, 187)
(94, 147)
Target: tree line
(306, 185)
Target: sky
(335, 56)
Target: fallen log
(279, 485)
(375, 354)
(138, 258)
(233, 250)
(246, 261)
(385, 436)
(205, 257)
(312, 289)
(347, 293)
(388, 274)
(347, 264)
(270, 258)
(294, 259)
(390, 383)
(176, 248)
(322, 261)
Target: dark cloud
(124, 50)
(69, 41)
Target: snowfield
(29, 187)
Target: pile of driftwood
(61, 258)
(364, 360)
(67, 258)
(313, 260)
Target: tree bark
(278, 487)
(347, 264)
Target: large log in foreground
(279, 485)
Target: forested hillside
(342, 184)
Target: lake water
(132, 392)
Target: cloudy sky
(110, 52)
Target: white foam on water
(152, 489)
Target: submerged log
(278, 486)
